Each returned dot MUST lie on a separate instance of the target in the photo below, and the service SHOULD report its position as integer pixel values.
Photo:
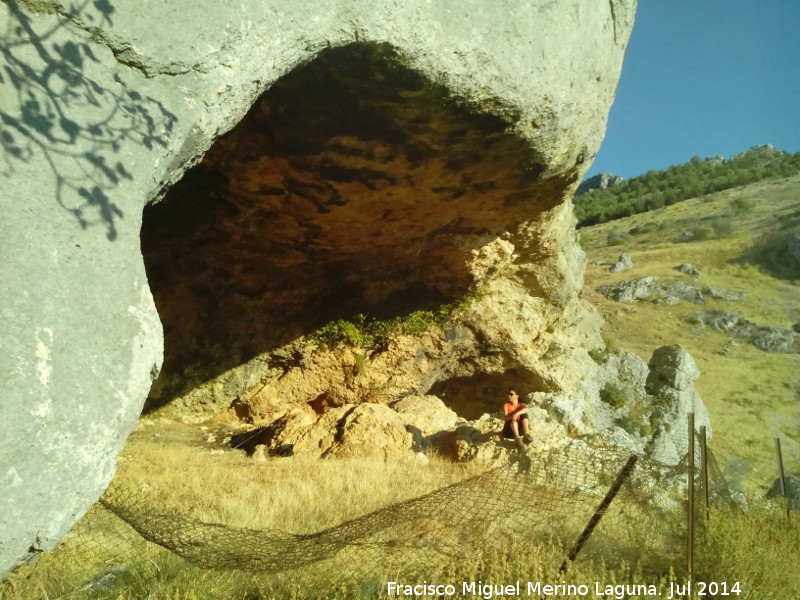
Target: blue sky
(704, 77)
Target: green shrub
(617, 237)
(741, 206)
(553, 351)
(343, 333)
(723, 226)
(646, 228)
(598, 355)
(627, 424)
(702, 233)
(615, 395)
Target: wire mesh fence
(535, 508)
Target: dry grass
(752, 396)
(179, 469)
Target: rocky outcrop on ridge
(474, 122)
(600, 181)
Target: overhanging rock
(104, 106)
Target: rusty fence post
(601, 510)
(781, 473)
(704, 468)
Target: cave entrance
(472, 396)
(354, 185)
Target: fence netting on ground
(540, 498)
(519, 501)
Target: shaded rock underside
(353, 186)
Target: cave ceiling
(354, 185)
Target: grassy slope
(752, 396)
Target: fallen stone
(685, 291)
(628, 291)
(792, 483)
(689, 270)
(426, 418)
(722, 294)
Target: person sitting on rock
(517, 425)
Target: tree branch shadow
(77, 122)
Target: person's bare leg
(526, 431)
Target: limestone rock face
(390, 157)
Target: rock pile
(648, 288)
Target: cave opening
(472, 396)
(354, 185)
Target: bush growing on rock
(615, 395)
(598, 355)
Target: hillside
(752, 395)
(697, 177)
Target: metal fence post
(690, 511)
(704, 467)
(781, 474)
(601, 510)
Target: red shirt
(509, 408)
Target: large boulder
(427, 418)
(105, 106)
(671, 384)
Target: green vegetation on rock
(366, 332)
(615, 395)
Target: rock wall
(105, 105)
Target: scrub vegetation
(365, 332)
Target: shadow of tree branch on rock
(60, 107)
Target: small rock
(627, 291)
(689, 270)
(792, 490)
(721, 294)
(685, 291)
